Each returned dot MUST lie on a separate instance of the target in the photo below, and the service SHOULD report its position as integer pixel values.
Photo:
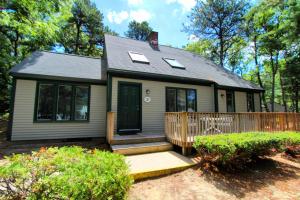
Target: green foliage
(235, 149)
(205, 48)
(219, 21)
(30, 25)
(5, 117)
(138, 31)
(65, 173)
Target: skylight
(138, 57)
(174, 63)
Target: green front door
(129, 107)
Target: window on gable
(138, 57)
(62, 102)
(250, 102)
(180, 100)
(174, 63)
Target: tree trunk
(282, 92)
(221, 50)
(258, 75)
(16, 43)
(297, 99)
(273, 82)
(78, 26)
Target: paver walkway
(156, 164)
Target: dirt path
(276, 178)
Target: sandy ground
(274, 178)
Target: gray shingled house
(59, 96)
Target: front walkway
(156, 164)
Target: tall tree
(205, 48)
(138, 31)
(25, 26)
(218, 20)
(83, 33)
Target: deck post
(184, 131)
(110, 125)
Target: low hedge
(65, 173)
(237, 148)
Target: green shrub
(5, 116)
(233, 150)
(65, 173)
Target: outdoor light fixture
(222, 95)
(147, 91)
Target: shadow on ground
(264, 172)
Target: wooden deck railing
(182, 127)
(110, 125)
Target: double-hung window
(250, 102)
(181, 100)
(62, 102)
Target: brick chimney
(153, 40)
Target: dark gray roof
(49, 65)
(196, 66)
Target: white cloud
(175, 12)
(186, 5)
(117, 17)
(193, 38)
(135, 2)
(140, 15)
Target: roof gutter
(225, 87)
(60, 78)
(158, 77)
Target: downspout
(11, 109)
(216, 98)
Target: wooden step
(132, 149)
(136, 139)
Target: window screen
(64, 102)
(46, 101)
(250, 102)
(230, 101)
(180, 100)
(81, 102)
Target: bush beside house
(65, 173)
(234, 150)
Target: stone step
(132, 149)
(137, 139)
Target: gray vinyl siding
(222, 101)
(257, 102)
(25, 129)
(240, 101)
(153, 112)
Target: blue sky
(164, 16)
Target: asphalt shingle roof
(196, 66)
(42, 64)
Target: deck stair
(139, 144)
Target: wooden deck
(182, 127)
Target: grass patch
(233, 150)
(65, 173)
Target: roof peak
(69, 54)
(164, 45)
